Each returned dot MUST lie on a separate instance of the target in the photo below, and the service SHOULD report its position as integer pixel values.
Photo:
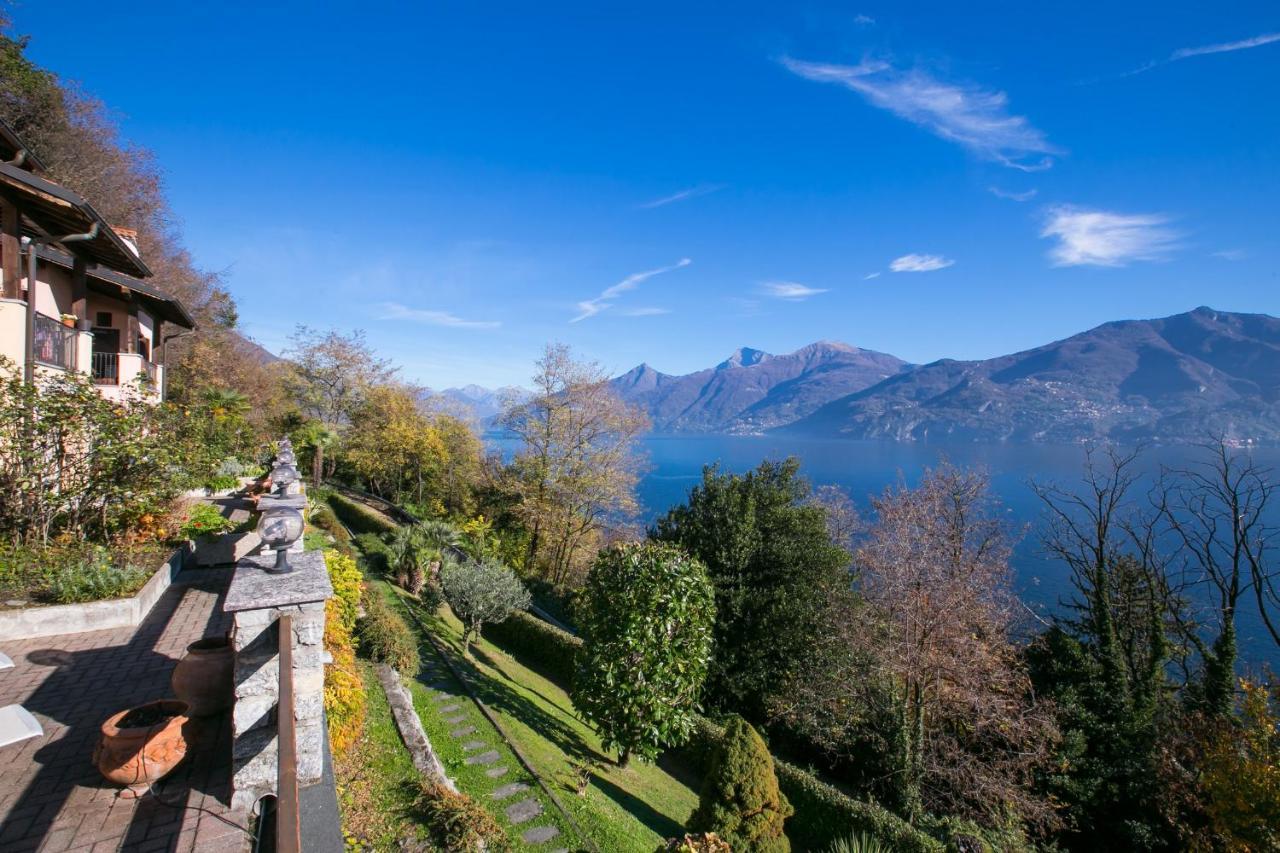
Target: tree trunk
(317, 466)
(624, 757)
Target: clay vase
(137, 757)
(203, 678)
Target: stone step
(508, 790)
(540, 834)
(524, 811)
(473, 745)
(455, 720)
(495, 772)
(490, 757)
(450, 709)
(465, 730)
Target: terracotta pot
(202, 679)
(137, 757)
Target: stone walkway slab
(523, 811)
(490, 757)
(540, 834)
(473, 745)
(509, 790)
(465, 730)
(495, 772)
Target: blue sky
(666, 182)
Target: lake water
(865, 468)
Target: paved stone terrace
(51, 796)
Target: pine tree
(740, 799)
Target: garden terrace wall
(32, 622)
(823, 813)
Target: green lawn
(630, 809)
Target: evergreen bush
(740, 800)
(386, 637)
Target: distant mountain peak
(744, 357)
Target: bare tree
(844, 522)
(1217, 512)
(578, 467)
(935, 571)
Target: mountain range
(1181, 378)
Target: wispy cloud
(870, 276)
(977, 118)
(682, 195)
(396, 311)
(1012, 196)
(1107, 239)
(920, 263)
(645, 312)
(1208, 49)
(864, 20)
(592, 307)
(790, 290)
(1231, 254)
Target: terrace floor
(51, 795)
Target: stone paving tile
(465, 730)
(490, 757)
(540, 834)
(508, 790)
(453, 721)
(451, 709)
(51, 796)
(473, 745)
(523, 811)
(495, 772)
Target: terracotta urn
(136, 756)
(203, 678)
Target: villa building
(89, 310)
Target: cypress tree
(740, 799)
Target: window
(103, 319)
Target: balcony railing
(106, 368)
(55, 344)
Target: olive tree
(646, 616)
(481, 592)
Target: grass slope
(630, 809)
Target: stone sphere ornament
(286, 457)
(284, 476)
(279, 528)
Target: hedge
(358, 517)
(385, 636)
(823, 813)
(538, 644)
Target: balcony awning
(57, 211)
(110, 283)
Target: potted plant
(140, 745)
(203, 678)
(69, 320)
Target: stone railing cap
(254, 588)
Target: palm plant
(859, 842)
(417, 549)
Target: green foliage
(774, 566)
(221, 482)
(646, 615)
(322, 516)
(859, 842)
(415, 547)
(457, 823)
(344, 696)
(740, 799)
(1240, 772)
(204, 520)
(73, 572)
(358, 517)
(386, 637)
(538, 644)
(376, 553)
(481, 593)
(823, 814)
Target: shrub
(358, 517)
(538, 644)
(204, 520)
(481, 593)
(456, 822)
(703, 842)
(740, 799)
(646, 614)
(823, 814)
(344, 696)
(385, 637)
(377, 555)
(95, 582)
(859, 842)
(221, 482)
(322, 517)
